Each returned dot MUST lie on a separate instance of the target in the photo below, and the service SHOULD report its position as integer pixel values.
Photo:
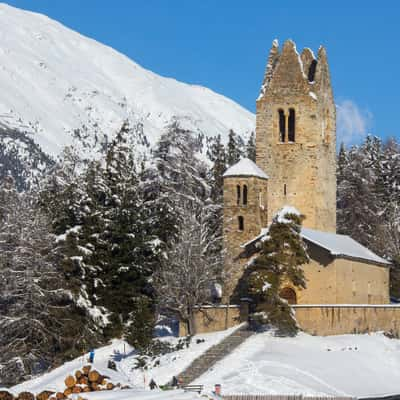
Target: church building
(296, 166)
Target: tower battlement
(289, 72)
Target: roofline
(244, 175)
(347, 257)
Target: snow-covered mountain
(56, 83)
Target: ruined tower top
(291, 73)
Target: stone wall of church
(342, 281)
(216, 318)
(344, 319)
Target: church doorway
(289, 295)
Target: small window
(282, 125)
(284, 189)
(292, 127)
(311, 71)
(241, 223)
(238, 194)
(244, 195)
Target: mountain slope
(55, 83)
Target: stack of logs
(83, 381)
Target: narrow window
(238, 194)
(292, 127)
(241, 223)
(244, 195)
(284, 189)
(311, 71)
(282, 125)
(260, 197)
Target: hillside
(57, 84)
(356, 365)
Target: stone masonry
(302, 170)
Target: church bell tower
(296, 135)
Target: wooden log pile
(84, 381)
(81, 382)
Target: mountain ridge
(56, 81)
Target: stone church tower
(296, 155)
(296, 135)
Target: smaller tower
(245, 214)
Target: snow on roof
(337, 245)
(245, 167)
(341, 245)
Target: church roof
(341, 245)
(245, 167)
(337, 245)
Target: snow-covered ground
(358, 365)
(54, 80)
(169, 365)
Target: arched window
(289, 295)
(244, 195)
(238, 194)
(292, 126)
(241, 223)
(282, 125)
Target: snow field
(356, 365)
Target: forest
(97, 249)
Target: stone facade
(336, 280)
(302, 169)
(343, 319)
(217, 318)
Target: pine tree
(234, 151)
(251, 147)
(39, 323)
(280, 263)
(216, 154)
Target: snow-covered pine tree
(39, 324)
(359, 195)
(216, 154)
(368, 199)
(128, 262)
(176, 180)
(278, 264)
(251, 147)
(104, 240)
(234, 148)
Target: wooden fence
(262, 396)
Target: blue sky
(223, 45)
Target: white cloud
(353, 123)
